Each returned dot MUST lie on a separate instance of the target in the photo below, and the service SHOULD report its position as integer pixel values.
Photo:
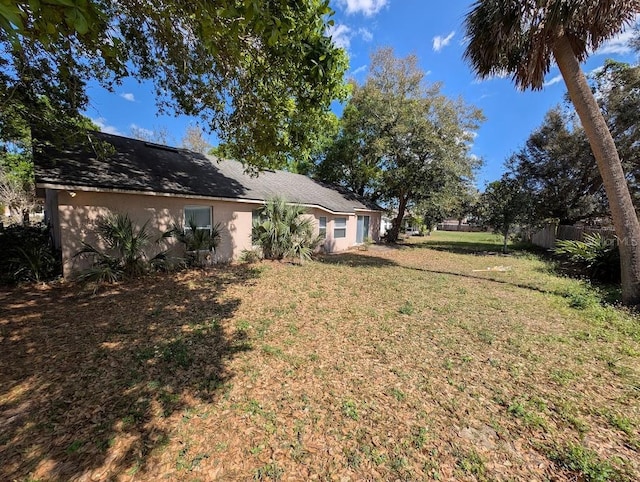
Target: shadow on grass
(87, 380)
(360, 259)
(357, 259)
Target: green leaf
(13, 15)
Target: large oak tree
(401, 139)
(257, 72)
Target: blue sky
(431, 30)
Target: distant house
(168, 185)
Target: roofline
(70, 187)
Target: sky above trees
(432, 31)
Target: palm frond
(516, 37)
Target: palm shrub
(283, 231)
(198, 242)
(125, 253)
(598, 256)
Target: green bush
(282, 231)
(198, 242)
(125, 255)
(250, 256)
(598, 257)
(26, 254)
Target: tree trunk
(394, 232)
(505, 235)
(623, 213)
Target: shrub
(198, 242)
(597, 256)
(282, 231)
(125, 254)
(249, 256)
(26, 254)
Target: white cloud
(101, 122)
(440, 42)
(359, 70)
(142, 131)
(341, 35)
(617, 45)
(553, 80)
(128, 96)
(366, 7)
(365, 34)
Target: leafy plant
(283, 231)
(585, 462)
(26, 254)
(126, 250)
(596, 255)
(249, 256)
(198, 242)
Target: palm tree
(283, 231)
(521, 38)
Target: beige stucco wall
(334, 245)
(78, 216)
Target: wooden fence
(549, 234)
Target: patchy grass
(436, 359)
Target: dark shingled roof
(145, 167)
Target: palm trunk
(623, 213)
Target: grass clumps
(586, 464)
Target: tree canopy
(258, 73)
(556, 164)
(503, 205)
(400, 139)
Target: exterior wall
(78, 216)
(375, 224)
(333, 244)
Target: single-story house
(166, 186)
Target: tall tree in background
(401, 140)
(556, 166)
(617, 86)
(503, 205)
(521, 37)
(157, 135)
(256, 72)
(194, 140)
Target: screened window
(200, 216)
(322, 226)
(340, 228)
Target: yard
(439, 359)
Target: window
(322, 227)
(340, 228)
(198, 215)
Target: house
(166, 186)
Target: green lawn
(437, 359)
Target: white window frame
(339, 228)
(201, 208)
